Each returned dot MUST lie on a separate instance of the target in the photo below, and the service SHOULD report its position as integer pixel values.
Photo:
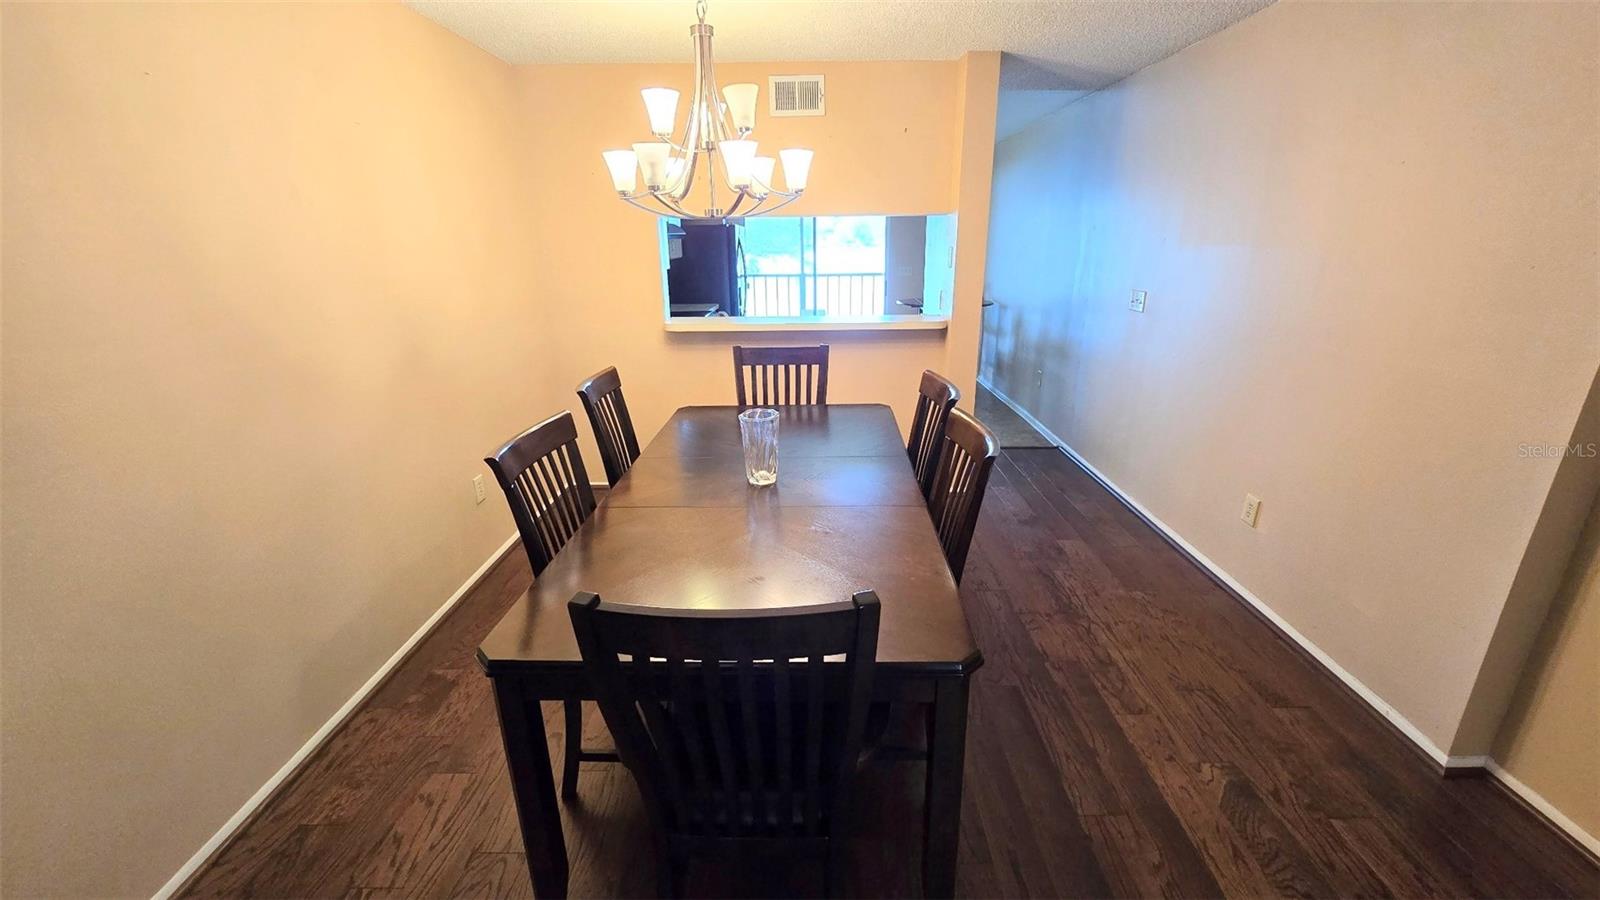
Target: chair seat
(771, 820)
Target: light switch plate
(1137, 303)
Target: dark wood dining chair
(965, 460)
(936, 396)
(601, 394)
(740, 737)
(542, 474)
(781, 376)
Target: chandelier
(714, 128)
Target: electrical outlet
(479, 491)
(1137, 303)
(1252, 509)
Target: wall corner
(1539, 576)
(977, 99)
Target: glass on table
(758, 430)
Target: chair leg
(664, 879)
(569, 761)
(670, 872)
(833, 867)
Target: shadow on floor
(1013, 431)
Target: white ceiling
(1052, 44)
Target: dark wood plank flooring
(1135, 732)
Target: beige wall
(892, 142)
(269, 299)
(1539, 577)
(1551, 735)
(1342, 214)
(277, 277)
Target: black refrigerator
(703, 271)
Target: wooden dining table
(684, 529)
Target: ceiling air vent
(795, 95)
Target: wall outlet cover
(1252, 510)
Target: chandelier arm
(705, 88)
(787, 199)
(671, 207)
(756, 209)
(711, 183)
(692, 138)
(687, 181)
(738, 199)
(632, 202)
(721, 124)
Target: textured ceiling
(1053, 44)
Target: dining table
(683, 528)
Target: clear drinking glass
(758, 429)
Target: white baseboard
(1555, 816)
(327, 729)
(1365, 693)
(1545, 807)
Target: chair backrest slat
(956, 493)
(727, 767)
(813, 745)
(781, 376)
(704, 711)
(936, 396)
(601, 394)
(685, 716)
(754, 747)
(546, 485)
(784, 701)
(659, 728)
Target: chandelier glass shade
(658, 176)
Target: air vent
(795, 95)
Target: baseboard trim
(1466, 767)
(1544, 809)
(1390, 715)
(1448, 766)
(284, 774)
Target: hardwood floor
(1013, 431)
(1135, 732)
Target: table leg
(947, 750)
(533, 785)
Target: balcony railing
(841, 294)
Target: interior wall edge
(1550, 548)
(973, 185)
(1448, 764)
(1391, 715)
(286, 773)
(1551, 814)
